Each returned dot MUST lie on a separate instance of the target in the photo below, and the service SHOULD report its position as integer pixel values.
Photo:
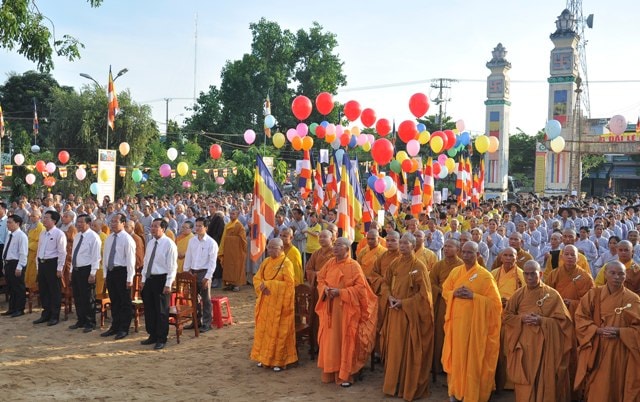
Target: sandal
(277, 369)
(345, 384)
(259, 364)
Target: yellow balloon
(307, 143)
(355, 130)
(391, 191)
(482, 144)
(450, 164)
(557, 144)
(401, 156)
(366, 147)
(278, 140)
(104, 175)
(494, 143)
(424, 137)
(436, 144)
(182, 168)
(124, 148)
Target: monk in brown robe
(407, 332)
(376, 278)
(625, 256)
(313, 266)
(608, 331)
(347, 311)
(515, 242)
(129, 227)
(426, 256)
(538, 336)
(437, 276)
(233, 253)
(568, 239)
(369, 255)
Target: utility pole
(166, 130)
(443, 85)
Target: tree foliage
(32, 34)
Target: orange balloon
(296, 143)
(414, 166)
(307, 143)
(330, 137)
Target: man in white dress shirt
(52, 252)
(118, 262)
(160, 267)
(14, 255)
(85, 261)
(200, 260)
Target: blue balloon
(465, 138)
(458, 143)
(553, 128)
(371, 182)
(94, 188)
(388, 182)
(324, 123)
(353, 141)
(421, 127)
(269, 121)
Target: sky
(390, 51)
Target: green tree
(522, 153)
(432, 122)
(32, 34)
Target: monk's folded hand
(567, 302)
(266, 292)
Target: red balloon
(407, 165)
(63, 157)
(352, 110)
(324, 103)
(407, 131)
(368, 117)
(382, 151)
(436, 169)
(321, 131)
(215, 151)
(344, 139)
(450, 139)
(301, 107)
(40, 166)
(383, 127)
(419, 104)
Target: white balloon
(18, 159)
(172, 154)
(617, 124)
(557, 144)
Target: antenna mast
(575, 6)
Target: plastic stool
(219, 320)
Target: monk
(426, 256)
(232, 253)
(471, 329)
(293, 254)
(34, 229)
(369, 255)
(182, 242)
(347, 311)
(538, 335)
(362, 244)
(407, 332)
(274, 341)
(515, 242)
(383, 262)
(608, 331)
(625, 255)
(437, 276)
(568, 239)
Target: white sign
(106, 174)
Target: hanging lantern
(234, 170)
(8, 170)
(94, 169)
(194, 174)
(173, 173)
(123, 171)
(63, 171)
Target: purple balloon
(165, 170)
(379, 186)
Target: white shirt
(201, 254)
(165, 260)
(53, 244)
(89, 252)
(125, 253)
(18, 249)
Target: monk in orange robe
(538, 335)
(129, 227)
(347, 311)
(313, 266)
(625, 254)
(293, 254)
(407, 332)
(471, 329)
(369, 255)
(426, 256)
(608, 331)
(362, 244)
(437, 276)
(274, 341)
(232, 253)
(182, 242)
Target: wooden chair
(4, 288)
(136, 299)
(184, 309)
(304, 309)
(103, 304)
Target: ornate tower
(497, 123)
(562, 171)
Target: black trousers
(121, 307)
(15, 284)
(156, 308)
(84, 296)
(50, 293)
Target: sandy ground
(55, 363)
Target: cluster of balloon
(124, 148)
(382, 184)
(403, 162)
(215, 151)
(552, 129)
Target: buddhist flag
(373, 201)
(416, 198)
(469, 177)
(266, 110)
(481, 180)
(427, 185)
(36, 124)
(318, 191)
(266, 201)
(304, 179)
(1, 123)
(461, 183)
(333, 178)
(637, 124)
(392, 204)
(350, 202)
(475, 192)
(113, 103)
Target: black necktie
(6, 247)
(151, 258)
(112, 252)
(74, 259)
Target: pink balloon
(249, 136)
(291, 133)
(302, 129)
(186, 184)
(331, 129)
(339, 130)
(371, 139)
(50, 167)
(413, 147)
(442, 159)
(30, 178)
(362, 139)
(19, 159)
(165, 170)
(379, 185)
(220, 180)
(81, 174)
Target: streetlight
(87, 76)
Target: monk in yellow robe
(538, 335)
(632, 272)
(232, 253)
(471, 329)
(367, 256)
(31, 274)
(347, 311)
(274, 341)
(407, 333)
(101, 288)
(426, 256)
(362, 244)
(568, 239)
(608, 331)
(293, 254)
(437, 276)
(182, 242)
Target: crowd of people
(539, 296)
